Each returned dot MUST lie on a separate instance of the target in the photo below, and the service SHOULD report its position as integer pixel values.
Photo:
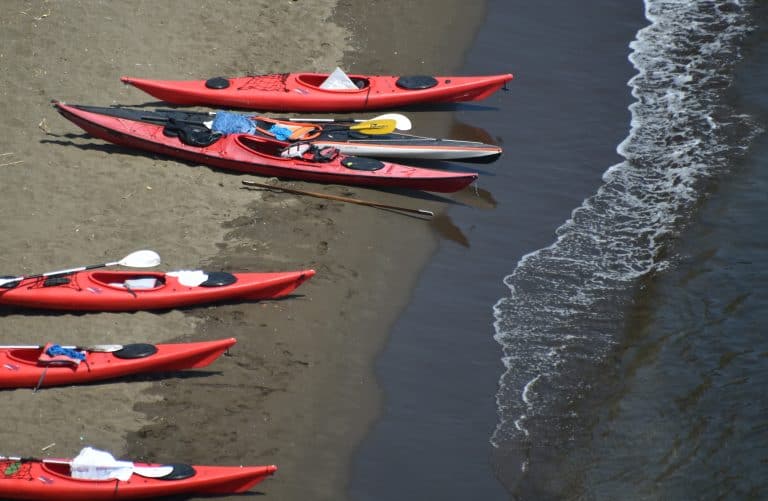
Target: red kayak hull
(302, 92)
(19, 367)
(259, 156)
(41, 481)
(96, 291)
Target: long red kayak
(52, 480)
(262, 156)
(34, 367)
(303, 92)
(146, 290)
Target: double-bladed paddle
(138, 259)
(373, 126)
(402, 122)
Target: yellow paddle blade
(385, 126)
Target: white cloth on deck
(189, 278)
(93, 464)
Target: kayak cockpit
(27, 356)
(260, 146)
(315, 80)
(301, 151)
(130, 281)
(63, 469)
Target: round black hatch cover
(217, 83)
(180, 471)
(218, 279)
(361, 163)
(416, 82)
(138, 350)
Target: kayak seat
(360, 83)
(217, 83)
(218, 279)
(180, 471)
(137, 350)
(416, 82)
(362, 163)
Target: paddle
(96, 348)
(138, 259)
(402, 122)
(421, 212)
(375, 126)
(144, 471)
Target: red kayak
(303, 92)
(52, 480)
(35, 367)
(146, 290)
(263, 156)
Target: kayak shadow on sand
(68, 141)
(148, 377)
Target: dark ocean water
(602, 335)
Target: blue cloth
(281, 133)
(232, 123)
(56, 350)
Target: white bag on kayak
(189, 278)
(93, 464)
(338, 80)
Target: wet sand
(298, 389)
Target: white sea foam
(565, 300)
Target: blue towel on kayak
(56, 350)
(281, 133)
(232, 123)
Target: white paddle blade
(141, 259)
(402, 122)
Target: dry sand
(298, 389)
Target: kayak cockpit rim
(63, 468)
(315, 80)
(138, 281)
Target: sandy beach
(298, 388)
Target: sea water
(635, 344)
